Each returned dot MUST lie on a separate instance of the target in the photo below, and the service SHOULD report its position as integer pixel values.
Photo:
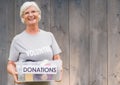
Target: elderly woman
(32, 39)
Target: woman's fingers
(15, 75)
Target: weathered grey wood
(79, 42)
(4, 28)
(98, 42)
(113, 42)
(10, 33)
(19, 26)
(45, 16)
(59, 27)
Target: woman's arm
(11, 68)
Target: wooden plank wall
(88, 32)
(114, 42)
(59, 27)
(79, 42)
(98, 42)
(3, 46)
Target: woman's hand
(15, 76)
(56, 57)
(11, 68)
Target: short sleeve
(13, 54)
(55, 46)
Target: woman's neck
(32, 29)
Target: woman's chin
(32, 22)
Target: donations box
(39, 71)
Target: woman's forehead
(30, 8)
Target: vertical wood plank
(79, 42)
(19, 26)
(2, 44)
(45, 16)
(4, 24)
(3, 36)
(59, 27)
(10, 32)
(98, 42)
(113, 42)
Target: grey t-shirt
(38, 47)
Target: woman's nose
(30, 13)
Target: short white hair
(27, 5)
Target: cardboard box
(39, 71)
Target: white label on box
(37, 69)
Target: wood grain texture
(4, 23)
(19, 26)
(59, 27)
(10, 33)
(45, 16)
(98, 42)
(79, 42)
(113, 42)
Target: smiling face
(31, 16)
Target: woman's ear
(22, 20)
(39, 16)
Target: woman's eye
(33, 11)
(26, 13)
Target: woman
(33, 44)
